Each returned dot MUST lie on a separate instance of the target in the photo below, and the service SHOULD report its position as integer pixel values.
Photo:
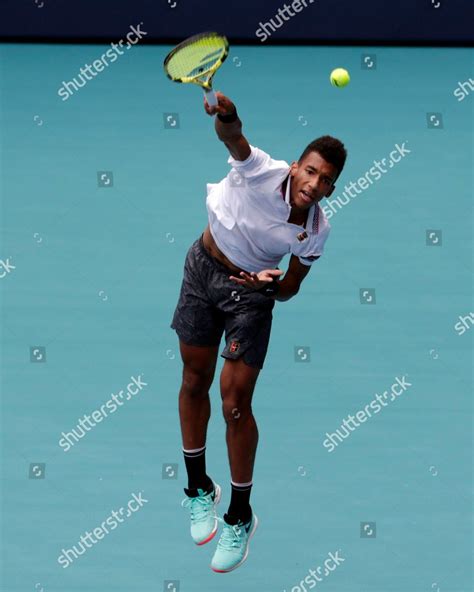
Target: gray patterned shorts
(210, 302)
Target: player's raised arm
(229, 126)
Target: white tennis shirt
(248, 216)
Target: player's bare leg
(203, 494)
(237, 383)
(199, 364)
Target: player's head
(316, 172)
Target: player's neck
(296, 217)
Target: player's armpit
(239, 147)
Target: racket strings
(196, 58)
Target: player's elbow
(239, 148)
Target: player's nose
(314, 187)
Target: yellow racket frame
(196, 60)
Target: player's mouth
(306, 197)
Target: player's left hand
(255, 280)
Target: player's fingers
(223, 100)
(275, 272)
(218, 109)
(249, 276)
(211, 110)
(224, 105)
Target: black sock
(239, 504)
(196, 469)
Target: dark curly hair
(329, 148)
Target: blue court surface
(102, 196)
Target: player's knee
(196, 383)
(235, 406)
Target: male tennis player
(262, 210)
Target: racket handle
(211, 98)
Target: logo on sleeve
(301, 236)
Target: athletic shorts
(211, 303)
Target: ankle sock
(195, 461)
(239, 508)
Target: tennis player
(262, 210)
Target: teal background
(97, 276)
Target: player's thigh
(199, 366)
(237, 384)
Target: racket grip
(211, 98)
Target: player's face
(312, 180)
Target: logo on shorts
(234, 346)
(301, 236)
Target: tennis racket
(196, 60)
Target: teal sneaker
(233, 546)
(203, 513)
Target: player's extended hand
(225, 106)
(256, 280)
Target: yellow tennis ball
(340, 77)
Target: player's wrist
(270, 288)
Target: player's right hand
(225, 106)
(257, 280)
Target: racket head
(197, 59)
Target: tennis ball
(340, 77)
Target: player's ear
(293, 167)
